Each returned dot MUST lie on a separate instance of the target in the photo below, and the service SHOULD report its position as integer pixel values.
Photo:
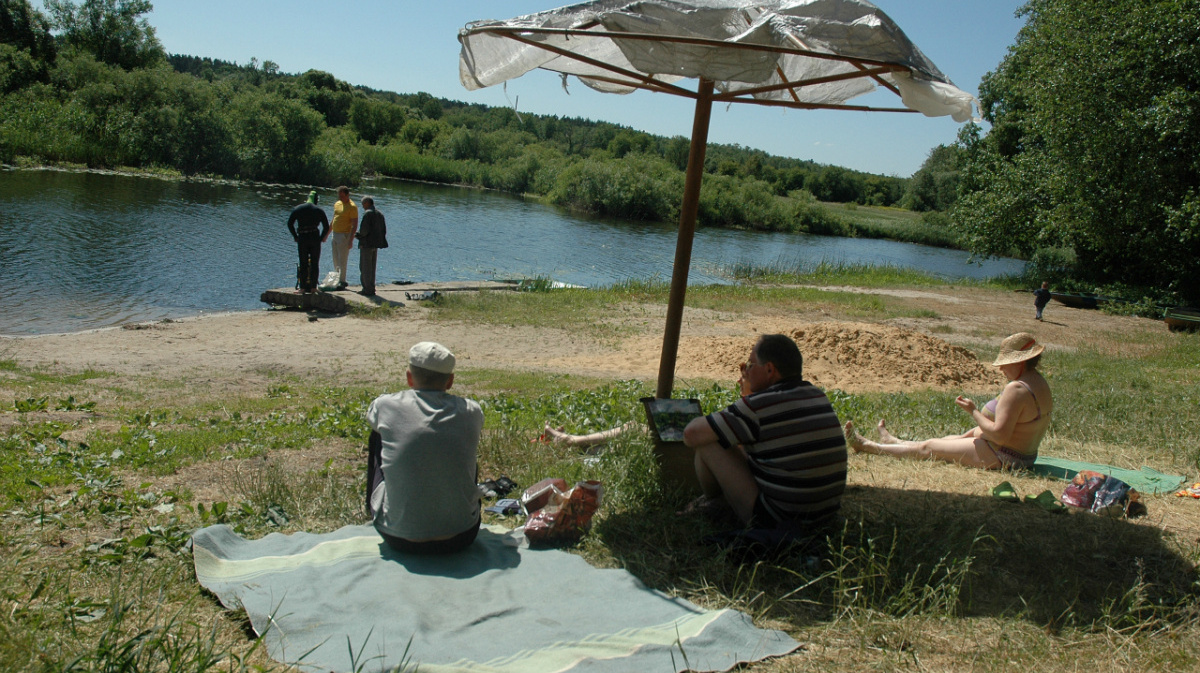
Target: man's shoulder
(393, 398)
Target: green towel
(1145, 480)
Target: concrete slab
(385, 293)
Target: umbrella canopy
(792, 53)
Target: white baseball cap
(432, 356)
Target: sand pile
(861, 357)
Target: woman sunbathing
(1008, 428)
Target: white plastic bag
(331, 281)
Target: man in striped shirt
(777, 455)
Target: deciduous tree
(1095, 118)
(111, 30)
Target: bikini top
(989, 409)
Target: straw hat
(1018, 348)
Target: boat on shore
(1182, 319)
(1078, 300)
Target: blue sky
(411, 45)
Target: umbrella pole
(683, 244)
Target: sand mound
(860, 357)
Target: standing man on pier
(309, 227)
(372, 235)
(345, 223)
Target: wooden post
(683, 244)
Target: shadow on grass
(904, 552)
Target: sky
(408, 46)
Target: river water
(84, 250)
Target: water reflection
(86, 250)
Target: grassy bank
(105, 476)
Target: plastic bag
(1113, 497)
(538, 496)
(566, 516)
(1100, 494)
(1081, 492)
(331, 281)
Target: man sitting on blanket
(421, 464)
(777, 456)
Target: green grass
(95, 575)
(836, 273)
(895, 224)
(572, 309)
(564, 308)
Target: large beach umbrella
(811, 54)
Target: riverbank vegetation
(105, 477)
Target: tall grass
(896, 224)
(825, 272)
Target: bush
(337, 157)
(1050, 264)
(638, 187)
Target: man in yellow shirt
(345, 223)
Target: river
(85, 250)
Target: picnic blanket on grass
(1145, 480)
(337, 601)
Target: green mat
(1145, 480)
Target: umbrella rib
(792, 86)
(778, 68)
(651, 85)
(819, 106)
(507, 31)
(646, 80)
(856, 63)
(755, 101)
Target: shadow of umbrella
(808, 55)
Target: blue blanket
(337, 601)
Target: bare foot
(885, 436)
(854, 439)
(714, 509)
(556, 435)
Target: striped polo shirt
(796, 449)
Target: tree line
(101, 91)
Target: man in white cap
(421, 465)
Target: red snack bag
(566, 517)
(538, 496)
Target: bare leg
(965, 450)
(724, 473)
(560, 436)
(557, 435)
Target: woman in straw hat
(1008, 429)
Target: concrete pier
(338, 301)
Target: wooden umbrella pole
(683, 244)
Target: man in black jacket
(372, 235)
(308, 225)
